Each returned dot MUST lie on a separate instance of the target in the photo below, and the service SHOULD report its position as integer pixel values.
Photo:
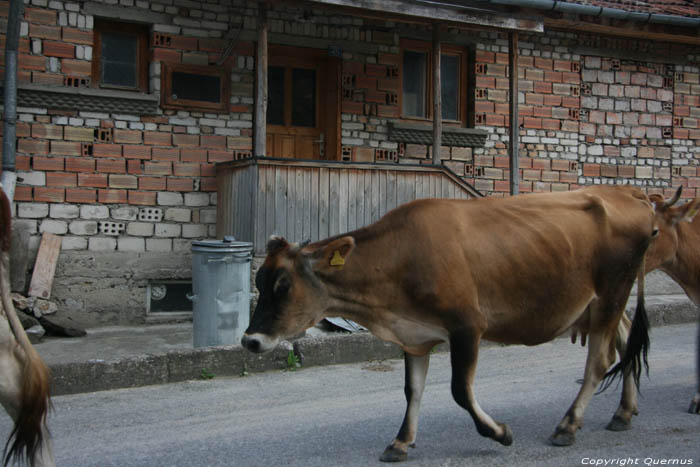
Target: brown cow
(24, 377)
(675, 252)
(518, 270)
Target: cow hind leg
(416, 368)
(622, 420)
(464, 350)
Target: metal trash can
(220, 291)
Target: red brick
(47, 163)
(186, 170)
(483, 56)
(591, 170)
(608, 170)
(92, 180)
(570, 102)
(106, 150)
(47, 131)
(552, 100)
(152, 183)
(32, 146)
(134, 167)
(240, 108)
(550, 124)
(76, 67)
(375, 70)
(77, 195)
(142, 198)
(220, 156)
(365, 82)
(352, 107)
(211, 45)
(570, 78)
(128, 136)
(49, 195)
(485, 82)
(23, 130)
(158, 168)
(31, 62)
(543, 63)
(186, 140)
(156, 138)
(123, 181)
(172, 154)
(389, 59)
(560, 164)
(111, 165)
(80, 164)
(213, 141)
(353, 67)
(112, 196)
(180, 184)
(51, 79)
(542, 87)
(23, 193)
(484, 107)
(208, 184)
(388, 111)
(77, 36)
(40, 15)
(132, 151)
(377, 97)
(530, 122)
(59, 49)
(166, 55)
(22, 162)
(66, 148)
(61, 179)
(542, 111)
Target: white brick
(54, 227)
(182, 245)
(74, 243)
(94, 212)
(64, 211)
(32, 210)
(207, 216)
(140, 229)
(177, 215)
(194, 230)
(196, 199)
(169, 199)
(159, 244)
(102, 244)
(125, 213)
(131, 244)
(25, 225)
(32, 178)
(83, 227)
(168, 230)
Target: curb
(183, 365)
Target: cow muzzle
(258, 343)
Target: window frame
(413, 45)
(167, 102)
(141, 33)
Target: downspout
(8, 177)
(587, 10)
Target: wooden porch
(312, 200)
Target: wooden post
(437, 96)
(514, 140)
(260, 134)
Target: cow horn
(674, 200)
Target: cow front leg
(597, 362)
(464, 351)
(622, 420)
(416, 368)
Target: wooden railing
(313, 200)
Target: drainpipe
(8, 177)
(587, 10)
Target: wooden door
(300, 122)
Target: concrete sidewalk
(121, 357)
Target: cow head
(668, 217)
(292, 283)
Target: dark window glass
(194, 87)
(275, 95)
(303, 97)
(414, 83)
(118, 59)
(449, 80)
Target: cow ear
(686, 212)
(334, 255)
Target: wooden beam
(437, 96)
(45, 266)
(260, 131)
(514, 139)
(399, 9)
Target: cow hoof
(391, 454)
(619, 424)
(507, 438)
(694, 407)
(562, 439)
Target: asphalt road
(345, 415)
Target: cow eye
(281, 286)
(655, 233)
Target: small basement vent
(169, 297)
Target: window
(294, 89)
(195, 87)
(417, 82)
(120, 56)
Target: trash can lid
(228, 244)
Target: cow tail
(637, 349)
(35, 394)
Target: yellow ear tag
(691, 214)
(337, 260)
